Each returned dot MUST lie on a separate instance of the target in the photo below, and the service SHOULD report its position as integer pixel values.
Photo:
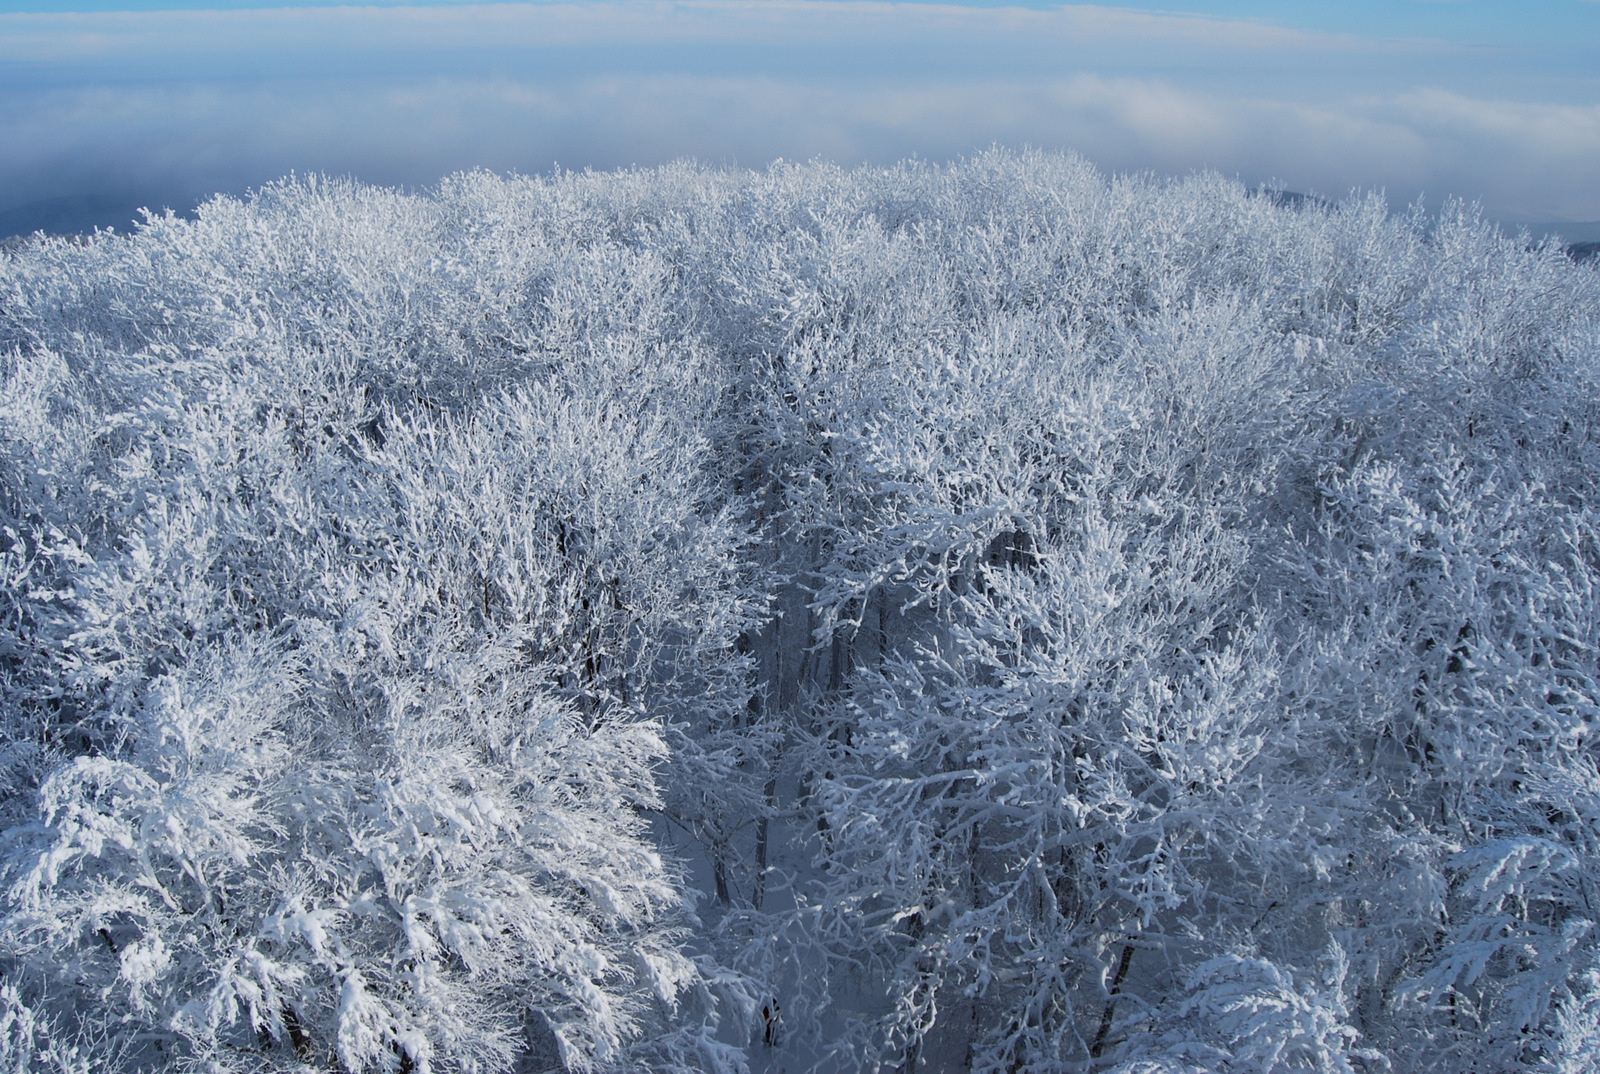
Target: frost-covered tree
(335, 703)
(1059, 460)
(1061, 622)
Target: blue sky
(114, 102)
(1488, 21)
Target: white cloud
(154, 102)
(1528, 160)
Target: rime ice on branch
(1063, 622)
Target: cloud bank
(169, 106)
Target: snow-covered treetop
(1065, 622)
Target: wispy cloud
(86, 37)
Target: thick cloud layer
(104, 111)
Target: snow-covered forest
(1010, 618)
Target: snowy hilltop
(995, 617)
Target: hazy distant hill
(77, 214)
(1571, 232)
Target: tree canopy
(1010, 617)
